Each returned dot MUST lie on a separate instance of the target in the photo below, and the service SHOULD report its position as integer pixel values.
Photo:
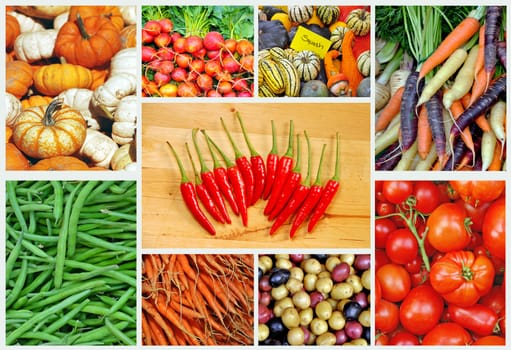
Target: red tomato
(495, 299)
(380, 259)
(395, 282)
(462, 277)
(397, 191)
(384, 208)
(427, 196)
(386, 316)
(382, 228)
(477, 192)
(490, 340)
(476, 214)
(447, 193)
(448, 333)
(415, 265)
(447, 228)
(494, 229)
(421, 277)
(421, 310)
(377, 291)
(403, 338)
(382, 339)
(401, 246)
(479, 319)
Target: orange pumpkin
(35, 100)
(113, 13)
(129, 36)
(98, 77)
(89, 42)
(60, 163)
(52, 79)
(49, 131)
(12, 30)
(18, 76)
(14, 158)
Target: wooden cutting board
(167, 223)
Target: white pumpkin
(35, 46)
(98, 149)
(80, 99)
(125, 120)
(27, 24)
(129, 14)
(47, 12)
(60, 20)
(124, 158)
(124, 61)
(107, 96)
(13, 106)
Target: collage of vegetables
(254, 173)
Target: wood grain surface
(167, 223)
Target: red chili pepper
(293, 181)
(190, 197)
(272, 161)
(298, 196)
(208, 178)
(243, 165)
(223, 182)
(257, 165)
(202, 192)
(283, 169)
(331, 188)
(236, 180)
(312, 199)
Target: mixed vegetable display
(197, 51)
(314, 299)
(333, 62)
(440, 263)
(440, 95)
(70, 87)
(70, 268)
(244, 181)
(197, 299)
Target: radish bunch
(180, 65)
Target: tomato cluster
(440, 263)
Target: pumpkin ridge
(76, 141)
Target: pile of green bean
(71, 262)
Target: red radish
(175, 36)
(213, 54)
(152, 27)
(224, 87)
(205, 82)
(161, 78)
(168, 90)
(147, 38)
(165, 53)
(213, 41)
(231, 65)
(162, 39)
(230, 94)
(154, 64)
(166, 67)
(179, 74)
(247, 63)
(197, 65)
(240, 84)
(212, 68)
(193, 43)
(244, 47)
(245, 94)
(192, 76)
(148, 53)
(166, 25)
(183, 60)
(187, 89)
(179, 45)
(213, 93)
(223, 76)
(200, 53)
(230, 45)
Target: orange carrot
(480, 54)
(466, 135)
(148, 307)
(146, 331)
(157, 335)
(424, 137)
(457, 38)
(391, 109)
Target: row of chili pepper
(243, 182)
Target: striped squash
(364, 63)
(307, 64)
(337, 36)
(359, 21)
(300, 13)
(328, 14)
(273, 76)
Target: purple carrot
(501, 52)
(436, 123)
(389, 158)
(491, 36)
(408, 110)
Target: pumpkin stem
(107, 113)
(81, 27)
(53, 107)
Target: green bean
(87, 254)
(110, 206)
(13, 256)
(75, 214)
(122, 300)
(95, 334)
(97, 242)
(11, 196)
(116, 275)
(117, 333)
(83, 276)
(41, 336)
(62, 244)
(106, 223)
(128, 197)
(65, 319)
(41, 238)
(130, 217)
(127, 309)
(103, 311)
(18, 286)
(58, 205)
(98, 191)
(29, 324)
(121, 188)
(26, 208)
(21, 314)
(40, 279)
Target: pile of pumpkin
(71, 87)
(343, 71)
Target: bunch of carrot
(450, 112)
(204, 299)
(244, 181)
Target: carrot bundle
(197, 300)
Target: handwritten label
(306, 39)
